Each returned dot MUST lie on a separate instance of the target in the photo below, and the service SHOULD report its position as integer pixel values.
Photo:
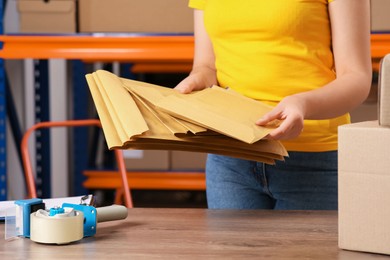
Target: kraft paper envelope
(157, 131)
(228, 114)
(221, 110)
(118, 112)
(159, 137)
(176, 126)
(155, 117)
(138, 115)
(113, 128)
(205, 145)
(152, 94)
(181, 145)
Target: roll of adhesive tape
(62, 228)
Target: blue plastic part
(55, 211)
(90, 217)
(42, 137)
(80, 110)
(26, 211)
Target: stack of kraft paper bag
(143, 116)
(364, 177)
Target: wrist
(303, 104)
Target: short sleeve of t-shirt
(267, 58)
(199, 4)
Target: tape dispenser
(59, 225)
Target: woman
(311, 60)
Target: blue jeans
(304, 181)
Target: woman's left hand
(291, 111)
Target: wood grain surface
(150, 233)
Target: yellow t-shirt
(267, 50)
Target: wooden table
(150, 233)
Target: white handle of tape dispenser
(109, 213)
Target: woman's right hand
(198, 79)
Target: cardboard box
(191, 161)
(364, 187)
(384, 91)
(380, 19)
(149, 16)
(53, 16)
(145, 160)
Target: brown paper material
(138, 115)
(384, 92)
(55, 16)
(380, 19)
(146, 16)
(213, 108)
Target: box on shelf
(384, 92)
(148, 16)
(53, 16)
(191, 161)
(364, 186)
(145, 160)
(380, 19)
(156, 16)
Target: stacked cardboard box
(61, 16)
(384, 93)
(160, 160)
(364, 178)
(380, 19)
(146, 160)
(54, 16)
(187, 161)
(149, 16)
(113, 16)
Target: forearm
(203, 73)
(351, 47)
(336, 98)
(204, 58)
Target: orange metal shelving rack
(153, 53)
